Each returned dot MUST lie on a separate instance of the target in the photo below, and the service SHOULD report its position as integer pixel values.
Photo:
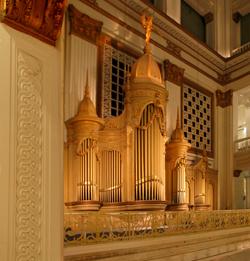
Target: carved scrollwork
(84, 26)
(28, 158)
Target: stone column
(174, 10)
(223, 26)
(224, 151)
(209, 20)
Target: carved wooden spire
(147, 23)
(87, 93)
(178, 125)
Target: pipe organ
(119, 162)
(123, 162)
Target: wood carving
(224, 99)
(130, 148)
(41, 19)
(84, 26)
(173, 73)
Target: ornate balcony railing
(88, 228)
(242, 145)
(241, 49)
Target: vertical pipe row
(111, 176)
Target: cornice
(40, 19)
(179, 43)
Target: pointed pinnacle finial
(178, 125)
(204, 152)
(147, 23)
(86, 94)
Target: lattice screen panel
(197, 118)
(116, 65)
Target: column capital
(84, 26)
(40, 19)
(236, 17)
(209, 17)
(224, 99)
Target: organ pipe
(88, 171)
(111, 172)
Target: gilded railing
(241, 49)
(88, 228)
(242, 144)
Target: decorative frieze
(224, 99)
(41, 19)
(173, 73)
(84, 26)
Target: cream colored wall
(81, 56)
(31, 167)
(174, 101)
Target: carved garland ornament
(41, 19)
(84, 26)
(28, 158)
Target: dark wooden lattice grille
(116, 65)
(197, 118)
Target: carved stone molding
(173, 48)
(84, 26)
(209, 17)
(224, 99)
(28, 158)
(41, 19)
(173, 73)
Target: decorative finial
(86, 94)
(178, 125)
(147, 23)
